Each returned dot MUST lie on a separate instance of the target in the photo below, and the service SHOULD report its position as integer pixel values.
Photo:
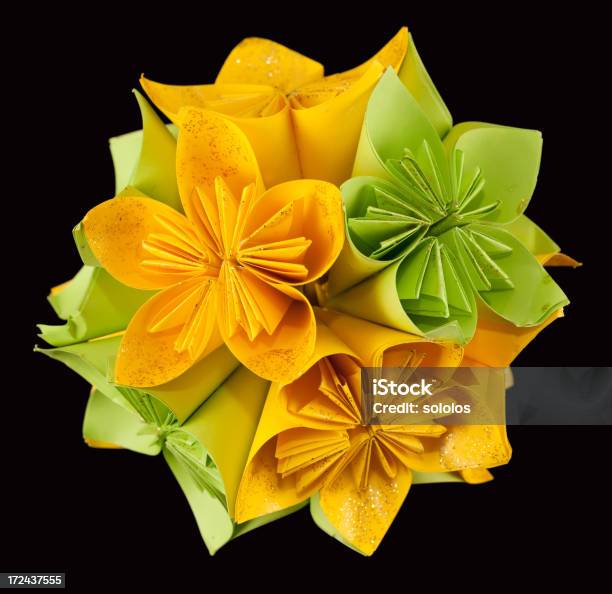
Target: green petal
(353, 265)
(225, 425)
(146, 159)
(535, 295)
(509, 160)
(419, 83)
(532, 237)
(93, 304)
(108, 422)
(407, 296)
(214, 523)
(93, 361)
(426, 478)
(394, 121)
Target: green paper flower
(429, 223)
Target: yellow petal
(262, 489)
(558, 259)
(476, 476)
(306, 210)
(261, 112)
(474, 446)
(264, 62)
(363, 516)
(238, 100)
(327, 134)
(378, 345)
(102, 445)
(497, 342)
(328, 114)
(144, 243)
(282, 355)
(168, 334)
(273, 141)
(211, 146)
(465, 447)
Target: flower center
(428, 199)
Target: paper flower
(311, 441)
(429, 224)
(300, 122)
(228, 267)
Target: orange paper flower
(227, 269)
(311, 440)
(300, 122)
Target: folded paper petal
(93, 304)
(393, 122)
(107, 423)
(91, 360)
(263, 62)
(547, 252)
(465, 447)
(535, 295)
(498, 342)
(283, 354)
(380, 346)
(327, 134)
(509, 160)
(261, 112)
(273, 141)
(416, 79)
(211, 146)
(126, 232)
(307, 209)
(169, 333)
(353, 265)
(328, 114)
(366, 520)
(196, 448)
(379, 299)
(145, 159)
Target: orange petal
(144, 243)
(476, 476)
(238, 100)
(261, 112)
(558, 259)
(282, 355)
(211, 146)
(264, 62)
(465, 447)
(497, 342)
(363, 516)
(306, 209)
(168, 334)
(262, 489)
(328, 114)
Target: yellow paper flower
(300, 122)
(311, 439)
(227, 269)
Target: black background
(102, 516)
